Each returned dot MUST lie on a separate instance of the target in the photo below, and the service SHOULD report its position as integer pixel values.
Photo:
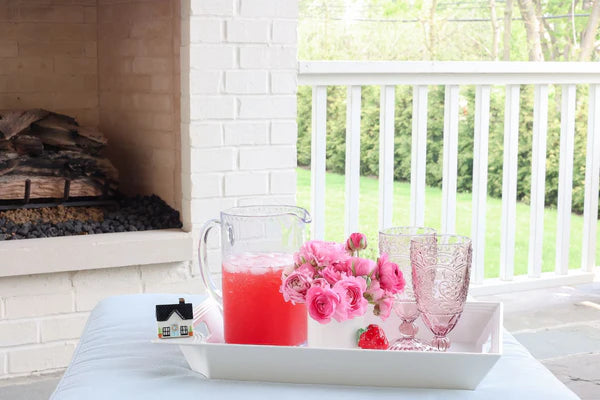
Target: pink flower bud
(356, 242)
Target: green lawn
(368, 220)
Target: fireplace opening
(90, 118)
(56, 181)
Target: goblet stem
(442, 343)
(408, 329)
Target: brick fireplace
(198, 101)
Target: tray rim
(196, 340)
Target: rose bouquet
(334, 282)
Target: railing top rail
(445, 72)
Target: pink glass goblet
(440, 272)
(395, 242)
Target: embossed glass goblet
(395, 242)
(440, 274)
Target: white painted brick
(205, 135)
(285, 31)
(245, 184)
(191, 286)
(248, 31)
(206, 30)
(284, 82)
(106, 278)
(273, 157)
(34, 284)
(283, 182)
(245, 133)
(165, 273)
(269, 8)
(284, 132)
(268, 57)
(267, 200)
(34, 306)
(63, 327)
(17, 333)
(249, 82)
(205, 209)
(94, 285)
(207, 185)
(218, 57)
(212, 7)
(213, 160)
(3, 363)
(212, 107)
(205, 82)
(40, 358)
(267, 107)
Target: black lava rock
(132, 214)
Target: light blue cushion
(115, 360)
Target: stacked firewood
(52, 155)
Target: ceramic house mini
(175, 320)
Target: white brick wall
(42, 316)
(242, 112)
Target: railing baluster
(509, 182)
(352, 158)
(418, 155)
(480, 172)
(386, 155)
(449, 174)
(592, 171)
(565, 178)
(538, 180)
(317, 160)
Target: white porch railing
(321, 74)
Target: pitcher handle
(213, 290)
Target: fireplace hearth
(128, 214)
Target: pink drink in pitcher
(254, 310)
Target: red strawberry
(372, 338)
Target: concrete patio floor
(559, 326)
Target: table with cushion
(115, 359)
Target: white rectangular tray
(476, 346)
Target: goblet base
(410, 344)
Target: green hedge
(336, 120)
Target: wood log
(13, 122)
(92, 134)
(58, 122)
(12, 187)
(8, 162)
(61, 139)
(48, 149)
(6, 145)
(30, 145)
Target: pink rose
(306, 269)
(322, 303)
(295, 287)
(390, 276)
(374, 292)
(356, 242)
(351, 290)
(320, 282)
(361, 266)
(332, 275)
(321, 254)
(383, 308)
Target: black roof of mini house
(184, 310)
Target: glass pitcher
(257, 244)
